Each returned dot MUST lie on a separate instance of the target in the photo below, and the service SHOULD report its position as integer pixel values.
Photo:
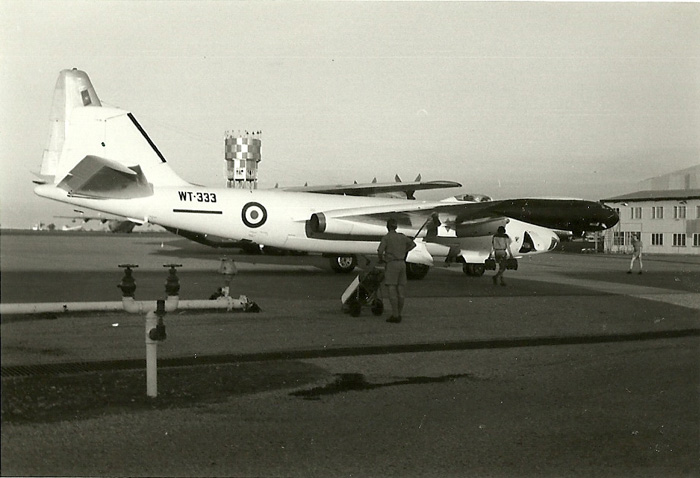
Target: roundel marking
(254, 214)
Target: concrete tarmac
(574, 369)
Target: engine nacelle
(319, 223)
(538, 240)
(480, 228)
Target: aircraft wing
(567, 214)
(461, 219)
(375, 189)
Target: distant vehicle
(101, 158)
(43, 227)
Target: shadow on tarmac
(129, 364)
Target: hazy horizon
(509, 99)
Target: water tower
(242, 155)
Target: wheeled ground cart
(364, 291)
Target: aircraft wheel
(416, 271)
(378, 307)
(355, 308)
(475, 270)
(343, 264)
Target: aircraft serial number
(197, 196)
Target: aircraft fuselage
(280, 219)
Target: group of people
(394, 248)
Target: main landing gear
(343, 264)
(474, 270)
(416, 271)
(346, 264)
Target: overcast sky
(510, 99)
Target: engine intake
(317, 223)
(320, 223)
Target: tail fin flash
(82, 127)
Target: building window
(657, 212)
(657, 239)
(678, 212)
(679, 240)
(697, 212)
(630, 235)
(696, 240)
(619, 238)
(635, 213)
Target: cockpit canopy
(473, 198)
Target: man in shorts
(636, 253)
(500, 244)
(393, 249)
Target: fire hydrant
(155, 327)
(128, 283)
(172, 287)
(155, 332)
(228, 269)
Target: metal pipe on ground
(222, 303)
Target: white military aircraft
(100, 158)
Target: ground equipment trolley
(364, 291)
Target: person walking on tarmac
(393, 249)
(636, 253)
(501, 252)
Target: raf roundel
(254, 214)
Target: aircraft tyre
(378, 307)
(343, 264)
(354, 307)
(416, 271)
(475, 270)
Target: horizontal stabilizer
(97, 177)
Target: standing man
(637, 252)
(500, 244)
(393, 249)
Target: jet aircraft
(101, 158)
(114, 225)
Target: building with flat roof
(666, 216)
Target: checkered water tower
(242, 155)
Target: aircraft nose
(603, 217)
(611, 217)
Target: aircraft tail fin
(82, 127)
(73, 89)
